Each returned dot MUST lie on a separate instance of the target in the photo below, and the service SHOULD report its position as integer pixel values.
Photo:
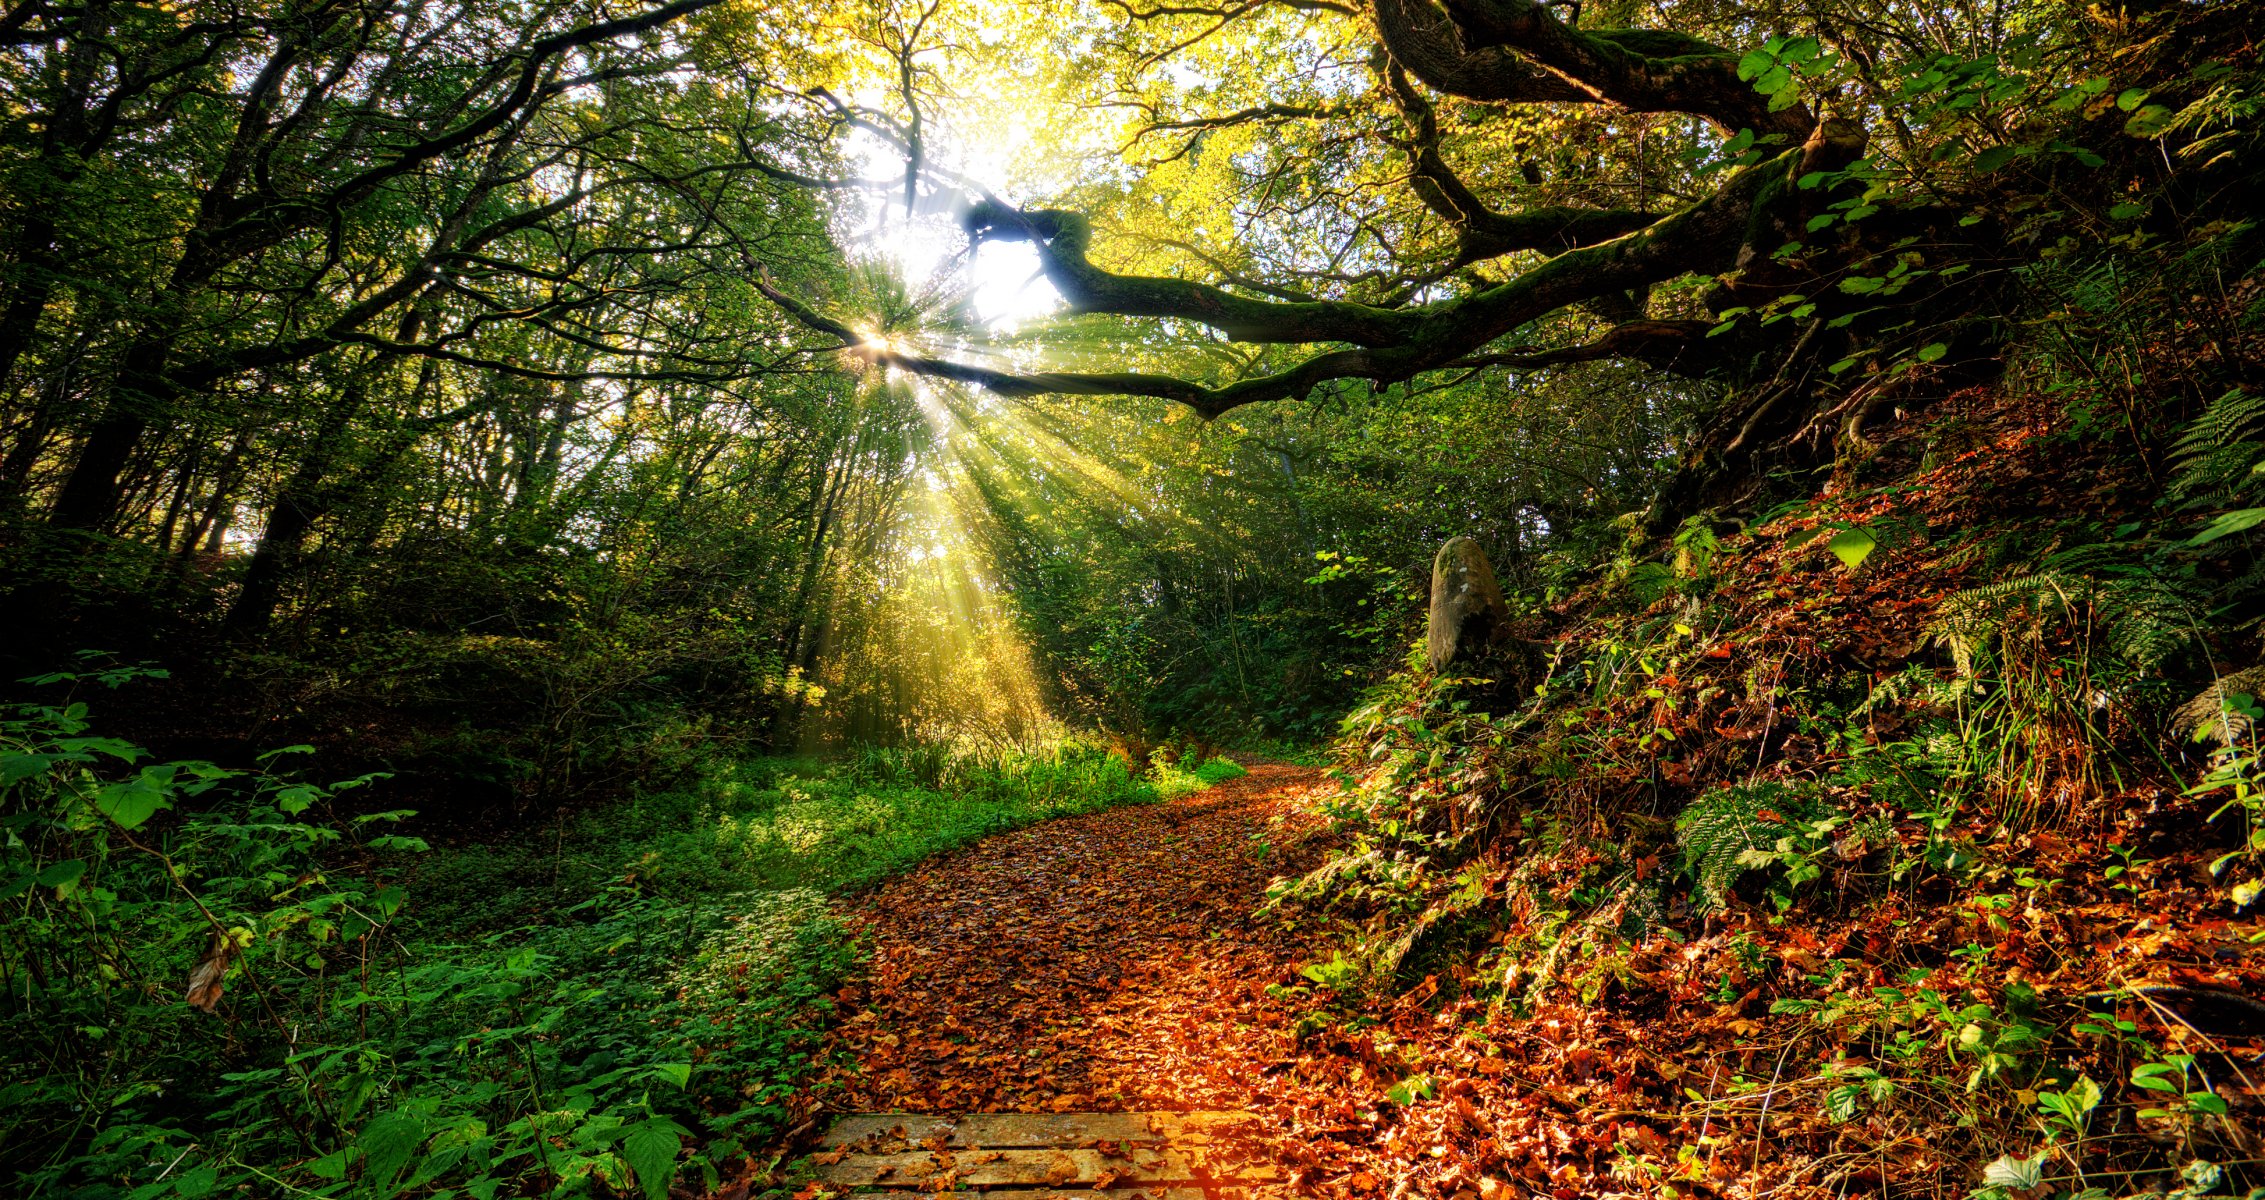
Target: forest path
(1108, 962)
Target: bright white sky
(1001, 278)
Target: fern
(2141, 616)
(2213, 717)
(2216, 458)
(1733, 830)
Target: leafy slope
(1930, 974)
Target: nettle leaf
(63, 873)
(132, 802)
(197, 1183)
(387, 1143)
(650, 1150)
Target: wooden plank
(1003, 1131)
(914, 1128)
(997, 1131)
(1124, 1191)
(1177, 1125)
(1010, 1168)
(1148, 1151)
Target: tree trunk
(304, 499)
(90, 494)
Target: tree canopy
(652, 341)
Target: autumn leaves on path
(1110, 962)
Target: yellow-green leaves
(1852, 547)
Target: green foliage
(2133, 607)
(1775, 827)
(551, 1016)
(2236, 780)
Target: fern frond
(2217, 455)
(2210, 718)
(1724, 833)
(2140, 615)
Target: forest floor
(1125, 961)
(1111, 962)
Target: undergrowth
(1920, 811)
(219, 982)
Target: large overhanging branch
(1422, 38)
(1395, 346)
(1518, 51)
(1062, 240)
(1481, 232)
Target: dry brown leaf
(205, 979)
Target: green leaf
(62, 873)
(15, 767)
(2240, 520)
(1932, 351)
(387, 1143)
(2149, 121)
(2018, 1173)
(1995, 157)
(2132, 98)
(197, 1182)
(132, 802)
(2076, 1103)
(679, 1074)
(1410, 1090)
(650, 1150)
(1852, 547)
(330, 1166)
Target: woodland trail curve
(1108, 962)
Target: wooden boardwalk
(1045, 1156)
